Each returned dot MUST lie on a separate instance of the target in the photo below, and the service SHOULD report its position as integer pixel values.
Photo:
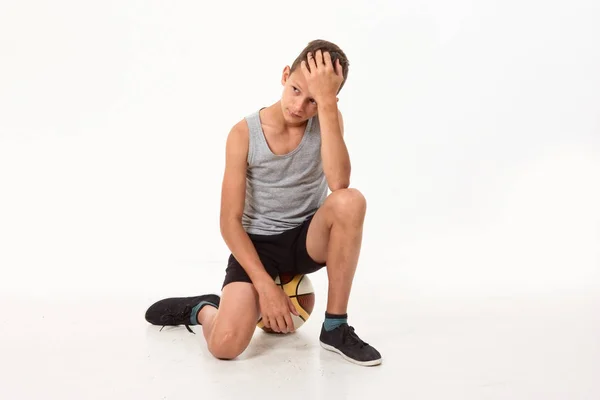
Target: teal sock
(332, 321)
(196, 310)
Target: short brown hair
(331, 48)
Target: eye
(295, 88)
(313, 101)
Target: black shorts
(281, 253)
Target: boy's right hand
(275, 307)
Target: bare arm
(336, 160)
(275, 304)
(233, 193)
(324, 79)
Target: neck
(274, 116)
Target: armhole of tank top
(315, 125)
(250, 158)
(314, 131)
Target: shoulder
(240, 128)
(239, 131)
(237, 139)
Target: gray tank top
(282, 190)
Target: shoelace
(351, 337)
(178, 316)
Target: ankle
(332, 321)
(206, 313)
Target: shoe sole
(362, 363)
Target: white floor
(77, 346)
(474, 134)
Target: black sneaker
(344, 341)
(177, 310)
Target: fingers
(335, 66)
(320, 57)
(312, 62)
(304, 68)
(276, 316)
(281, 324)
(319, 60)
(327, 60)
(265, 321)
(292, 307)
(290, 324)
(271, 323)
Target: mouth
(294, 115)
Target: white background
(473, 130)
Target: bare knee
(235, 323)
(227, 345)
(349, 205)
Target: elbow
(339, 180)
(342, 184)
(222, 226)
(226, 222)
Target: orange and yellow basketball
(300, 290)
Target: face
(297, 104)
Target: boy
(276, 216)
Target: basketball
(300, 290)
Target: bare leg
(206, 317)
(335, 237)
(229, 329)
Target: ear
(285, 75)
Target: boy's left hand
(324, 79)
